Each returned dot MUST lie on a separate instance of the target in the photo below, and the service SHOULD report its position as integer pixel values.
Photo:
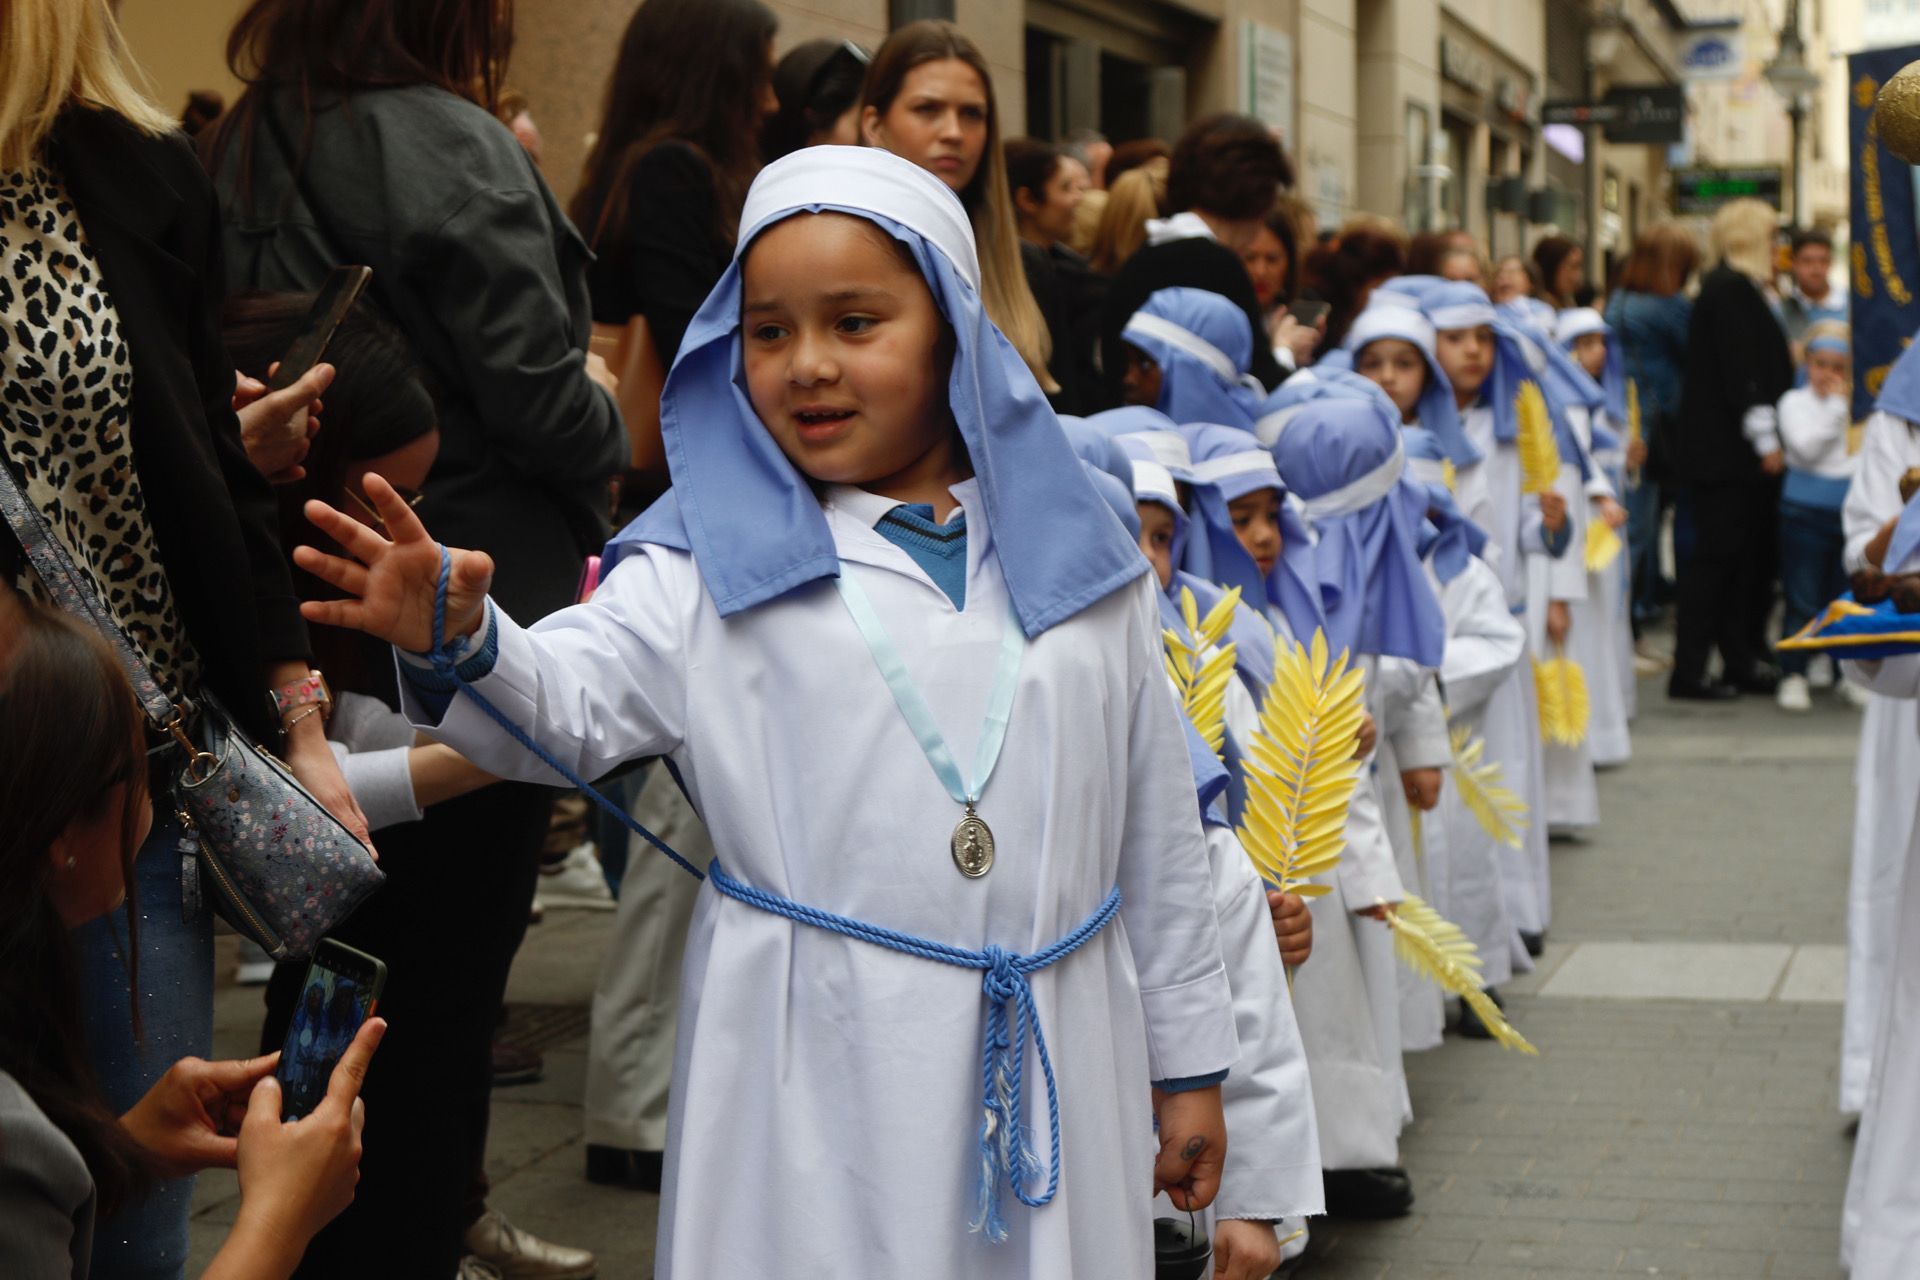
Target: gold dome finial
(1896, 113)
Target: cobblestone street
(1681, 1121)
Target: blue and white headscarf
(1116, 496)
(1436, 410)
(1204, 348)
(1321, 382)
(1229, 464)
(751, 519)
(1448, 539)
(1565, 384)
(1575, 323)
(1900, 393)
(1134, 427)
(1345, 459)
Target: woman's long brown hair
(987, 198)
(345, 47)
(70, 732)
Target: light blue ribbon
(919, 717)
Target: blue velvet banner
(1884, 265)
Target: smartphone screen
(330, 307)
(1307, 311)
(341, 991)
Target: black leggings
(1727, 585)
(447, 923)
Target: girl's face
(1399, 368)
(1567, 278)
(1156, 540)
(94, 884)
(1050, 222)
(938, 120)
(1827, 373)
(1466, 357)
(1510, 280)
(1461, 264)
(1590, 352)
(1266, 262)
(1256, 522)
(1140, 384)
(847, 357)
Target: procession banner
(1884, 258)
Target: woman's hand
(296, 1176)
(277, 428)
(1292, 927)
(1193, 1146)
(1610, 511)
(188, 1119)
(391, 585)
(1244, 1250)
(1422, 787)
(1300, 339)
(1559, 622)
(312, 762)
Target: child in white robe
(1889, 759)
(1602, 631)
(791, 627)
(1486, 365)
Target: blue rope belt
(1006, 1156)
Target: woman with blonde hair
(1726, 456)
(109, 247)
(929, 99)
(1133, 198)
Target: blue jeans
(1643, 548)
(1812, 570)
(147, 1239)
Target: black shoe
(619, 1167)
(1701, 690)
(1535, 943)
(1470, 1024)
(1368, 1193)
(514, 1065)
(1762, 678)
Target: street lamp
(1793, 80)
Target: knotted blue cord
(1006, 1156)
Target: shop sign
(1713, 54)
(1465, 65)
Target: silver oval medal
(973, 847)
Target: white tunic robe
(1880, 1227)
(1485, 647)
(1573, 799)
(1887, 773)
(826, 1105)
(1413, 735)
(1601, 629)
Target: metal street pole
(1796, 114)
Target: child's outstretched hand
(391, 584)
(1193, 1146)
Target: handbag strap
(64, 581)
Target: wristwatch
(290, 700)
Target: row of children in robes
(1502, 577)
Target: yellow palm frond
(1201, 665)
(1539, 454)
(1436, 949)
(1603, 544)
(1564, 708)
(1300, 770)
(1450, 475)
(1500, 813)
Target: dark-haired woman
(818, 87)
(1048, 185)
(74, 812)
(381, 420)
(1226, 172)
(109, 250)
(1561, 265)
(1346, 270)
(929, 99)
(367, 133)
(678, 145)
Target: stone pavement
(1680, 1122)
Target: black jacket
(150, 216)
(1195, 263)
(1736, 358)
(475, 260)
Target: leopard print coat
(66, 386)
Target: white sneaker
(1793, 695)
(512, 1254)
(1823, 672)
(574, 881)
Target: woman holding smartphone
(108, 242)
